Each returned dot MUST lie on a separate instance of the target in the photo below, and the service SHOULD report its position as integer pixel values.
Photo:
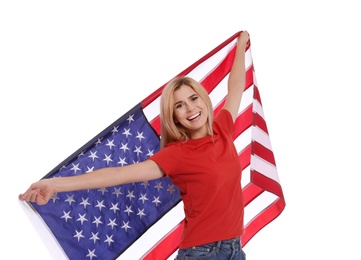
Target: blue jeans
(222, 250)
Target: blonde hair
(171, 131)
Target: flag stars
(110, 143)
(140, 213)
(89, 169)
(97, 221)
(82, 219)
(75, 168)
(143, 197)
(171, 189)
(145, 184)
(79, 235)
(117, 192)
(124, 147)
(140, 136)
(127, 132)
(66, 216)
(93, 155)
(99, 141)
(112, 223)
(108, 158)
(130, 119)
(137, 150)
(156, 200)
(130, 195)
(129, 210)
(70, 199)
(115, 129)
(103, 190)
(114, 208)
(158, 186)
(91, 254)
(150, 153)
(126, 226)
(122, 161)
(55, 197)
(94, 237)
(100, 205)
(85, 202)
(109, 240)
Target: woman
(198, 155)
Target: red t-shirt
(208, 174)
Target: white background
(68, 69)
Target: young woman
(198, 155)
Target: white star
(108, 158)
(140, 136)
(70, 199)
(150, 153)
(103, 190)
(99, 141)
(156, 200)
(117, 191)
(100, 205)
(130, 118)
(66, 216)
(75, 168)
(143, 198)
(112, 223)
(94, 237)
(122, 161)
(109, 240)
(82, 218)
(97, 221)
(91, 254)
(129, 210)
(114, 208)
(124, 147)
(110, 143)
(140, 213)
(126, 132)
(81, 154)
(158, 186)
(78, 235)
(145, 184)
(115, 130)
(171, 189)
(130, 195)
(90, 169)
(84, 202)
(93, 155)
(54, 197)
(126, 226)
(137, 150)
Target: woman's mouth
(194, 116)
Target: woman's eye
(179, 105)
(194, 98)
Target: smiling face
(191, 112)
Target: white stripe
(258, 205)
(152, 110)
(265, 168)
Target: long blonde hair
(171, 131)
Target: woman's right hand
(39, 192)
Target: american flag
(144, 220)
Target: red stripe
(266, 183)
(263, 152)
(262, 220)
(166, 247)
